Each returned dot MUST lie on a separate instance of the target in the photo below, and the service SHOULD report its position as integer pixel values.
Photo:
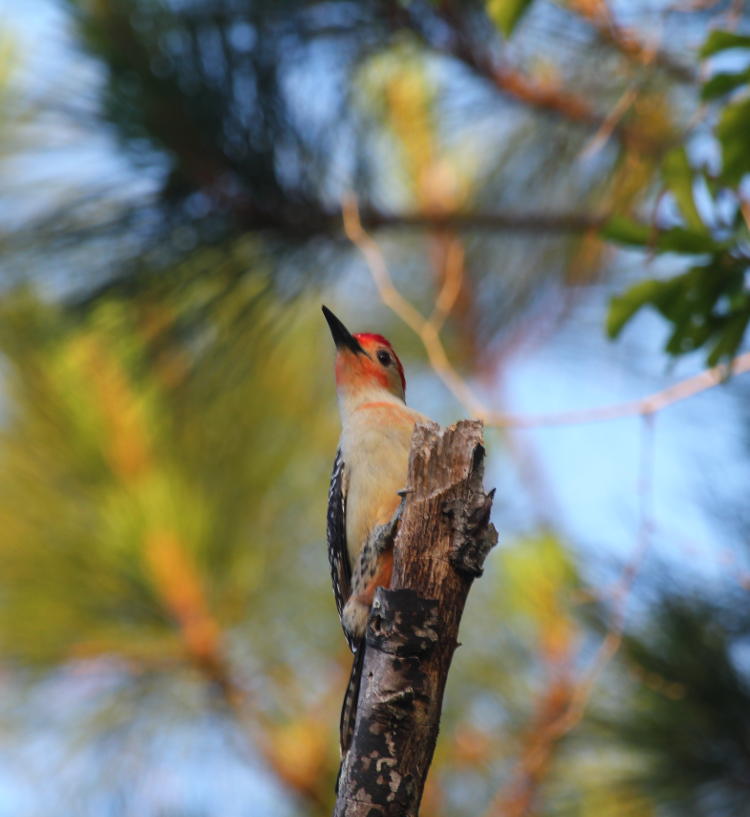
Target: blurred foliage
(689, 692)
(137, 526)
(256, 118)
(709, 304)
(507, 13)
(167, 417)
(108, 446)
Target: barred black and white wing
(341, 577)
(338, 555)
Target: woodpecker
(369, 473)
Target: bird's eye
(384, 357)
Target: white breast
(375, 444)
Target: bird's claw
(388, 531)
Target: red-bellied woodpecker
(369, 472)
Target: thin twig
(428, 331)
(453, 279)
(652, 404)
(601, 137)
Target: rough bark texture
(443, 538)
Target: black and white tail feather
(351, 697)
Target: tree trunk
(443, 538)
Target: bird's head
(365, 363)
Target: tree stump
(443, 538)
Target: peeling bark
(443, 539)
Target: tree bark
(444, 536)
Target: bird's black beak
(342, 337)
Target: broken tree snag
(443, 539)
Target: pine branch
(453, 37)
(571, 221)
(629, 42)
(444, 537)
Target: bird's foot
(354, 618)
